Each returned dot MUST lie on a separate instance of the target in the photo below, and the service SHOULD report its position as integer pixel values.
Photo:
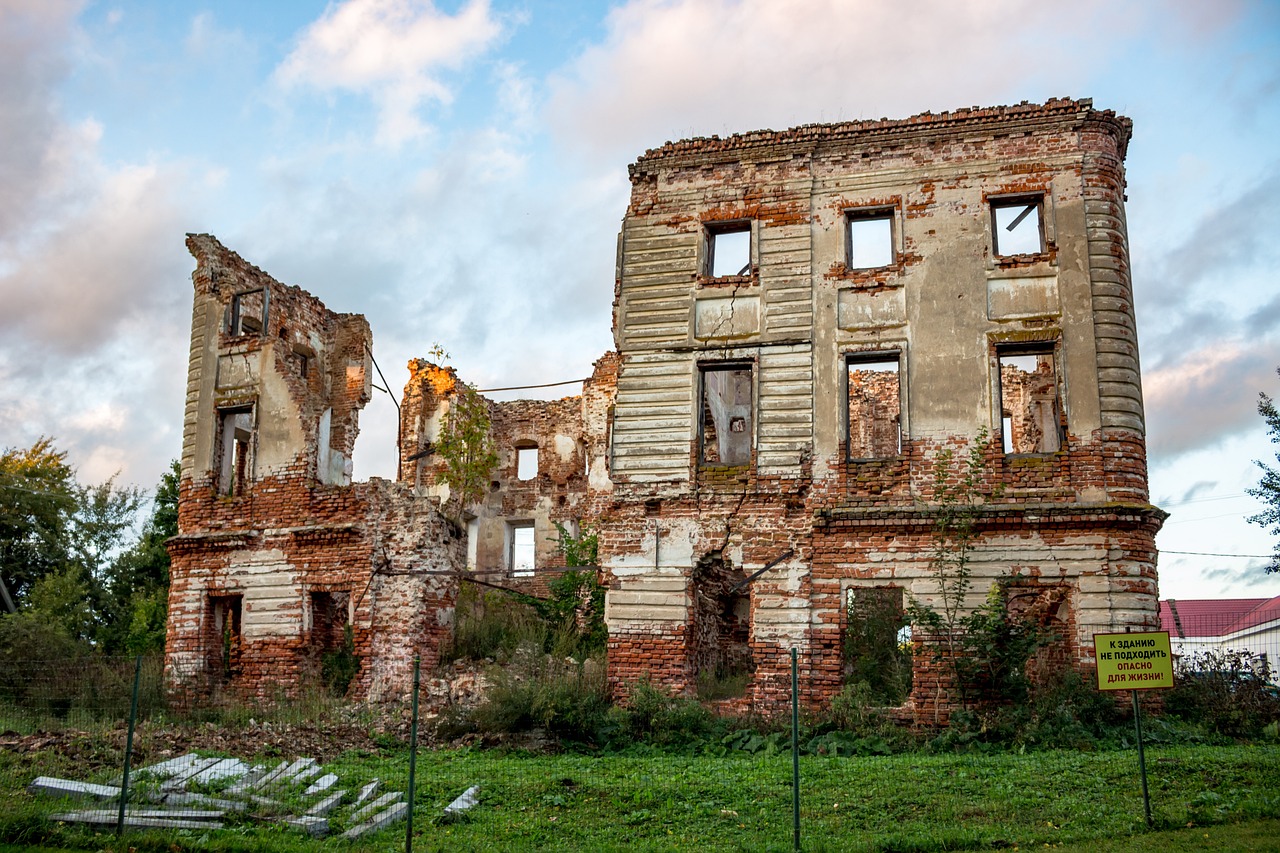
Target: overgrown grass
(665, 802)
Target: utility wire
(523, 387)
(1210, 554)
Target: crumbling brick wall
(850, 490)
(570, 439)
(788, 422)
(266, 567)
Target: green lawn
(664, 802)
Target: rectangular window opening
(523, 551)
(1017, 226)
(248, 314)
(870, 239)
(727, 415)
(527, 462)
(1030, 406)
(235, 443)
(223, 648)
(729, 250)
(877, 643)
(875, 407)
(329, 617)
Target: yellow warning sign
(1134, 661)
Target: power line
(1210, 554)
(523, 387)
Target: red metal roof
(1216, 617)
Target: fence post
(413, 756)
(128, 746)
(795, 752)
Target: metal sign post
(795, 752)
(1135, 662)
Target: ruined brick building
(805, 321)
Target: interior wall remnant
(1030, 408)
(874, 408)
(726, 415)
(235, 445)
(223, 646)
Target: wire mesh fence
(86, 692)
(94, 692)
(1202, 632)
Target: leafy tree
(38, 495)
(466, 447)
(1268, 490)
(137, 582)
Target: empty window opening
(1043, 609)
(870, 239)
(726, 415)
(333, 640)
(729, 250)
(235, 443)
(522, 550)
(875, 407)
(248, 313)
(877, 643)
(527, 462)
(721, 630)
(329, 617)
(1030, 408)
(223, 639)
(1018, 226)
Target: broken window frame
(233, 462)
(1044, 445)
(705, 369)
(855, 216)
(236, 316)
(872, 357)
(513, 529)
(1018, 205)
(716, 230)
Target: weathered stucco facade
(805, 323)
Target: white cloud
(671, 69)
(1207, 395)
(91, 268)
(391, 50)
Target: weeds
(1229, 692)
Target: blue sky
(457, 172)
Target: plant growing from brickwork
(1268, 490)
(954, 506)
(466, 446)
(985, 650)
(577, 598)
